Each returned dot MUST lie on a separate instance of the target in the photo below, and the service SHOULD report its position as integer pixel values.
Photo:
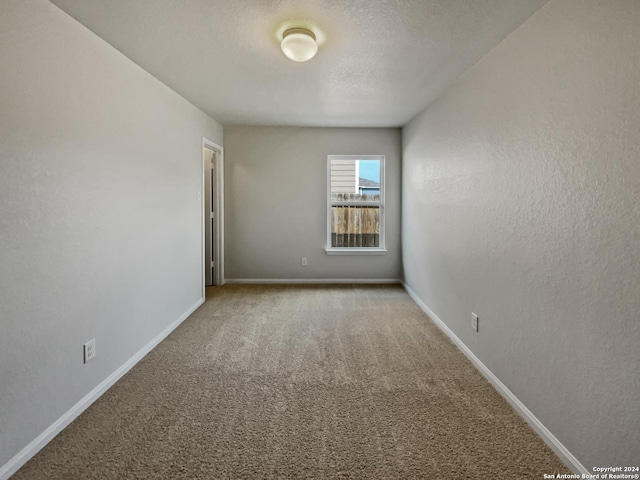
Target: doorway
(213, 212)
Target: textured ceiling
(380, 61)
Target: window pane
(355, 180)
(355, 226)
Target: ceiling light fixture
(299, 44)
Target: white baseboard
(559, 449)
(13, 465)
(322, 281)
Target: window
(355, 206)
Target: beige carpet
(300, 382)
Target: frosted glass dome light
(299, 44)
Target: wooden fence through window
(355, 226)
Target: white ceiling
(380, 61)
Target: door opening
(213, 214)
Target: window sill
(355, 251)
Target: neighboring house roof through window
(363, 182)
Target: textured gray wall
(520, 203)
(276, 202)
(100, 221)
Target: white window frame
(381, 249)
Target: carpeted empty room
(300, 382)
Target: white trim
(321, 281)
(220, 218)
(328, 201)
(218, 214)
(357, 177)
(203, 214)
(22, 457)
(374, 156)
(355, 251)
(543, 432)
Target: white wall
(276, 202)
(520, 203)
(100, 221)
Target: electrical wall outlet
(474, 321)
(304, 261)
(89, 350)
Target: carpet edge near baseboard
(37, 444)
(543, 432)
